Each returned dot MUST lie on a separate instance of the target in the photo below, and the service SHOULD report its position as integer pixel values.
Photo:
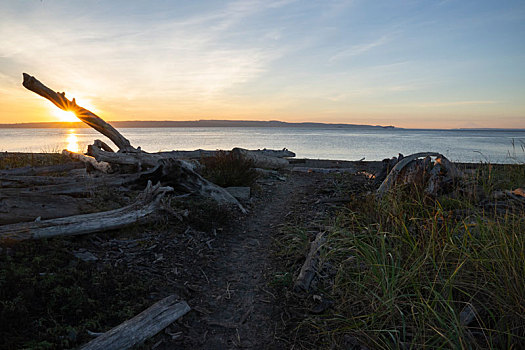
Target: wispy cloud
(360, 49)
(445, 104)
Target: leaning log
(310, 266)
(141, 327)
(88, 117)
(147, 204)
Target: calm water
(330, 143)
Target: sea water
(495, 146)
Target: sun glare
(65, 116)
(72, 141)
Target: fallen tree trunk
(42, 170)
(310, 266)
(141, 327)
(180, 175)
(261, 160)
(200, 153)
(28, 207)
(88, 117)
(147, 204)
(103, 167)
(394, 173)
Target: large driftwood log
(434, 176)
(147, 204)
(180, 175)
(42, 170)
(141, 327)
(261, 160)
(201, 153)
(310, 266)
(394, 173)
(88, 117)
(28, 207)
(103, 167)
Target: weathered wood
(394, 173)
(42, 170)
(147, 204)
(138, 159)
(180, 175)
(88, 117)
(104, 167)
(28, 207)
(310, 266)
(261, 160)
(141, 327)
(303, 169)
(201, 153)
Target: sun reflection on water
(72, 141)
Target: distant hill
(194, 124)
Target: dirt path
(236, 308)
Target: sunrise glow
(64, 116)
(72, 141)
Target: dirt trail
(236, 308)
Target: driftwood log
(145, 205)
(200, 153)
(141, 327)
(410, 169)
(103, 167)
(310, 266)
(127, 154)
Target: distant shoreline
(228, 124)
(191, 124)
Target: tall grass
(408, 266)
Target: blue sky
(439, 64)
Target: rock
(85, 255)
(242, 193)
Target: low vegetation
(410, 271)
(10, 160)
(228, 169)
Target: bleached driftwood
(201, 153)
(104, 167)
(88, 117)
(145, 205)
(23, 207)
(141, 327)
(180, 175)
(394, 173)
(304, 169)
(310, 266)
(435, 176)
(42, 170)
(127, 154)
(261, 160)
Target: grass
(227, 169)
(10, 160)
(404, 268)
(49, 299)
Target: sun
(65, 116)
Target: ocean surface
(495, 146)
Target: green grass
(406, 266)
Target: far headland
(194, 124)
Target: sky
(407, 63)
